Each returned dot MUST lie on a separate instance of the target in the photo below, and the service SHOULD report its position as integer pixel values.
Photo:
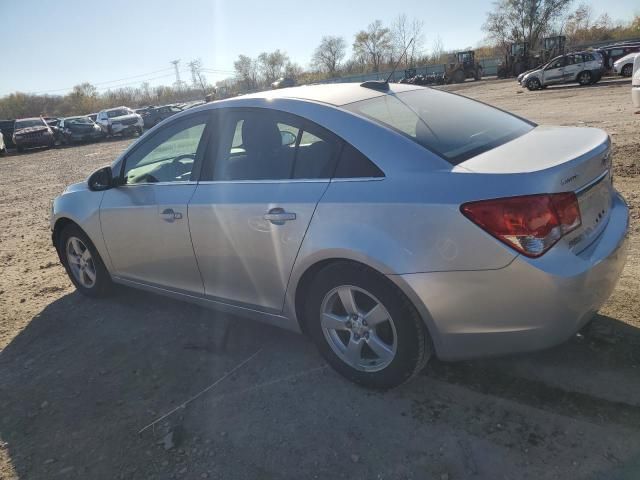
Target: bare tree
(437, 50)
(402, 31)
(524, 20)
(272, 65)
(374, 44)
(329, 54)
(246, 72)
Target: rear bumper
(529, 305)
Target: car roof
(30, 118)
(332, 93)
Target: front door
(144, 221)
(554, 72)
(250, 213)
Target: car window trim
(197, 161)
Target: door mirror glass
(101, 179)
(288, 138)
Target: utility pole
(195, 66)
(178, 83)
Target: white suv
(582, 67)
(120, 121)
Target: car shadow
(85, 376)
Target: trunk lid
(558, 159)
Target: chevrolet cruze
(389, 223)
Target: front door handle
(278, 216)
(169, 215)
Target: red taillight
(531, 224)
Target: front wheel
(534, 84)
(82, 262)
(584, 78)
(365, 327)
(627, 70)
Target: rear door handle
(278, 216)
(169, 215)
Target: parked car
(580, 67)
(32, 133)
(80, 129)
(283, 83)
(3, 147)
(612, 53)
(6, 126)
(635, 83)
(120, 121)
(154, 115)
(354, 214)
(624, 66)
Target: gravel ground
(80, 378)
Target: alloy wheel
(81, 262)
(358, 328)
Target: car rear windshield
(35, 122)
(78, 121)
(452, 126)
(118, 113)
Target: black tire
(414, 347)
(458, 76)
(533, 84)
(627, 70)
(103, 281)
(585, 78)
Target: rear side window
(452, 126)
(353, 164)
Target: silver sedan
(389, 223)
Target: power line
(106, 81)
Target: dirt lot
(80, 378)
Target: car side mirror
(288, 138)
(101, 179)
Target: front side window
(168, 156)
(558, 63)
(452, 126)
(272, 145)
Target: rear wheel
(82, 262)
(365, 327)
(627, 70)
(584, 78)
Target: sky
(47, 47)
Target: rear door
(144, 221)
(574, 65)
(252, 207)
